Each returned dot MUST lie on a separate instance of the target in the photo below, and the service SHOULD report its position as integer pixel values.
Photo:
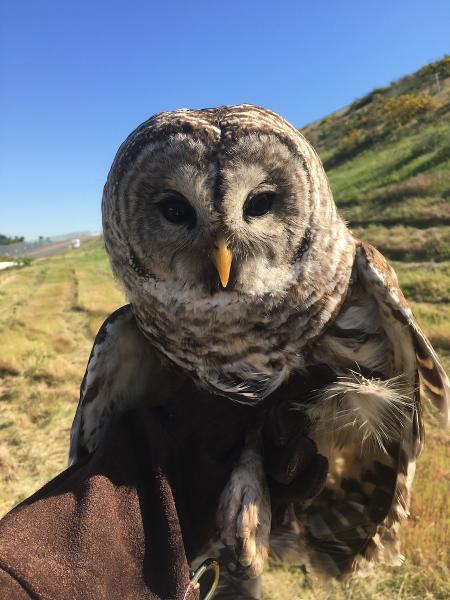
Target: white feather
(372, 411)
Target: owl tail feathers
(336, 554)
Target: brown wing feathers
(374, 267)
(434, 379)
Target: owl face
(218, 218)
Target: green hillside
(388, 159)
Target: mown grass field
(392, 184)
(49, 314)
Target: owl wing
(381, 280)
(123, 371)
(368, 423)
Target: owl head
(232, 199)
(221, 226)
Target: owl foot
(244, 516)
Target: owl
(221, 227)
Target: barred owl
(221, 227)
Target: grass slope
(49, 314)
(392, 184)
(391, 181)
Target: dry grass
(405, 243)
(49, 313)
(425, 282)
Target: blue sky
(77, 77)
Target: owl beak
(222, 259)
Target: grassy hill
(388, 159)
(391, 181)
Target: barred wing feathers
(368, 423)
(123, 371)
(382, 279)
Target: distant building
(75, 243)
(7, 265)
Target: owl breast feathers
(221, 227)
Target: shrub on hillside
(400, 110)
(442, 67)
(352, 139)
(374, 95)
(353, 142)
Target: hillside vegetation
(391, 180)
(387, 156)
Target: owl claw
(244, 516)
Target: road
(56, 247)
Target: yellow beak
(222, 259)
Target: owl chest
(243, 346)
(231, 338)
(233, 348)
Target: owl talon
(244, 517)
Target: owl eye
(259, 204)
(176, 210)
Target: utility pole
(438, 83)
